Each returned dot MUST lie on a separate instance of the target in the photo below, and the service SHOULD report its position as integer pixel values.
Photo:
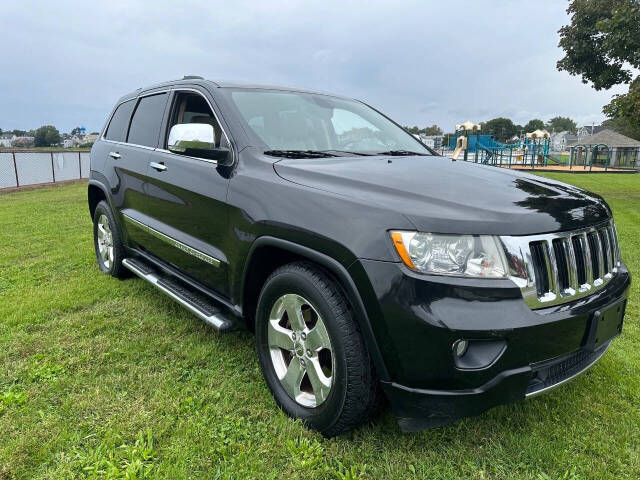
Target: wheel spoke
(292, 379)
(279, 336)
(110, 253)
(319, 381)
(318, 337)
(101, 231)
(293, 305)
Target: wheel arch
(282, 252)
(96, 192)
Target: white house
(6, 140)
(561, 140)
(588, 130)
(433, 141)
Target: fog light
(460, 348)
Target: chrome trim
(114, 155)
(173, 242)
(568, 379)
(213, 320)
(522, 271)
(125, 144)
(177, 155)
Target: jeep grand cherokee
(367, 265)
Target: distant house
(6, 140)
(590, 130)
(560, 141)
(432, 141)
(23, 142)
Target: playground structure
(529, 152)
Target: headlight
(460, 255)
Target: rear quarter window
(117, 129)
(147, 119)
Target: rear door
(132, 141)
(187, 199)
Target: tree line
(504, 129)
(45, 136)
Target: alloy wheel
(300, 350)
(105, 241)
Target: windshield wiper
(400, 153)
(299, 153)
(348, 152)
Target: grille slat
(570, 264)
(562, 263)
(581, 268)
(596, 255)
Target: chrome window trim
(522, 272)
(178, 156)
(173, 242)
(125, 144)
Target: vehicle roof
(219, 84)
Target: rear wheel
(312, 355)
(108, 245)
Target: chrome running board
(195, 302)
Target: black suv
(368, 266)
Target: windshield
(306, 122)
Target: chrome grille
(560, 267)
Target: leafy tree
(561, 124)
(76, 131)
(502, 128)
(624, 126)
(46, 136)
(19, 133)
(602, 45)
(535, 124)
(432, 130)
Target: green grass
(101, 378)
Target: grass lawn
(101, 378)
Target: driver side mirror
(197, 140)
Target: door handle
(161, 167)
(114, 155)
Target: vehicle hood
(443, 196)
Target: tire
(351, 396)
(107, 242)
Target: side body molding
(345, 280)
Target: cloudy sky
(424, 62)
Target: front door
(187, 200)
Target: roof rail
(192, 77)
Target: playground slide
(555, 159)
(461, 144)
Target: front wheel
(312, 355)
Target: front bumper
(417, 319)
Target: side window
(146, 121)
(191, 107)
(117, 129)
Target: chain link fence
(32, 167)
